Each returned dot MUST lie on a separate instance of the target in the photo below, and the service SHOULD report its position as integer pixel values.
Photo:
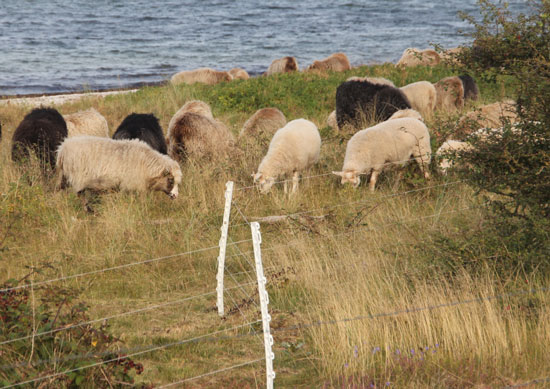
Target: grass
(371, 253)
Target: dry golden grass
(365, 256)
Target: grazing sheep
(282, 65)
(447, 149)
(203, 75)
(89, 122)
(357, 100)
(89, 162)
(491, 115)
(337, 62)
(264, 121)
(406, 113)
(385, 145)
(331, 120)
(450, 56)
(372, 80)
(197, 136)
(471, 91)
(449, 94)
(416, 57)
(142, 126)
(293, 148)
(193, 106)
(239, 74)
(41, 131)
(422, 96)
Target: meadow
(390, 288)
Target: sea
(58, 46)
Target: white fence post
(223, 244)
(264, 300)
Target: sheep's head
(349, 176)
(265, 183)
(167, 182)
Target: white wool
(373, 80)
(265, 121)
(293, 148)
(280, 65)
(422, 96)
(239, 74)
(406, 113)
(386, 145)
(337, 62)
(88, 122)
(448, 147)
(103, 163)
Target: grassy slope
(359, 260)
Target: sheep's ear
(340, 174)
(165, 173)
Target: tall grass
(364, 254)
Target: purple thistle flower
(412, 351)
(427, 348)
(437, 345)
(346, 365)
(388, 383)
(355, 351)
(375, 350)
(397, 351)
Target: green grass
(359, 259)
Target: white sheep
(447, 149)
(89, 162)
(293, 148)
(372, 80)
(264, 121)
(88, 122)
(383, 146)
(203, 75)
(239, 74)
(406, 113)
(337, 62)
(422, 96)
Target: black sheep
(144, 127)
(471, 90)
(357, 98)
(41, 131)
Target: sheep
(197, 136)
(264, 121)
(373, 80)
(142, 126)
(239, 74)
(195, 106)
(450, 56)
(416, 57)
(96, 163)
(282, 65)
(203, 75)
(490, 115)
(449, 94)
(337, 62)
(448, 148)
(293, 148)
(41, 131)
(89, 122)
(422, 96)
(389, 143)
(471, 91)
(357, 99)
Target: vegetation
(341, 274)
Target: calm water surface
(71, 45)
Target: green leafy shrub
(26, 357)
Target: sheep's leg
(398, 180)
(424, 165)
(372, 181)
(285, 186)
(295, 179)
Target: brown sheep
(449, 94)
(265, 121)
(203, 75)
(416, 57)
(493, 115)
(196, 136)
(337, 62)
(195, 106)
(282, 65)
(239, 74)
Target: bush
(46, 309)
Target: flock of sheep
(140, 157)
